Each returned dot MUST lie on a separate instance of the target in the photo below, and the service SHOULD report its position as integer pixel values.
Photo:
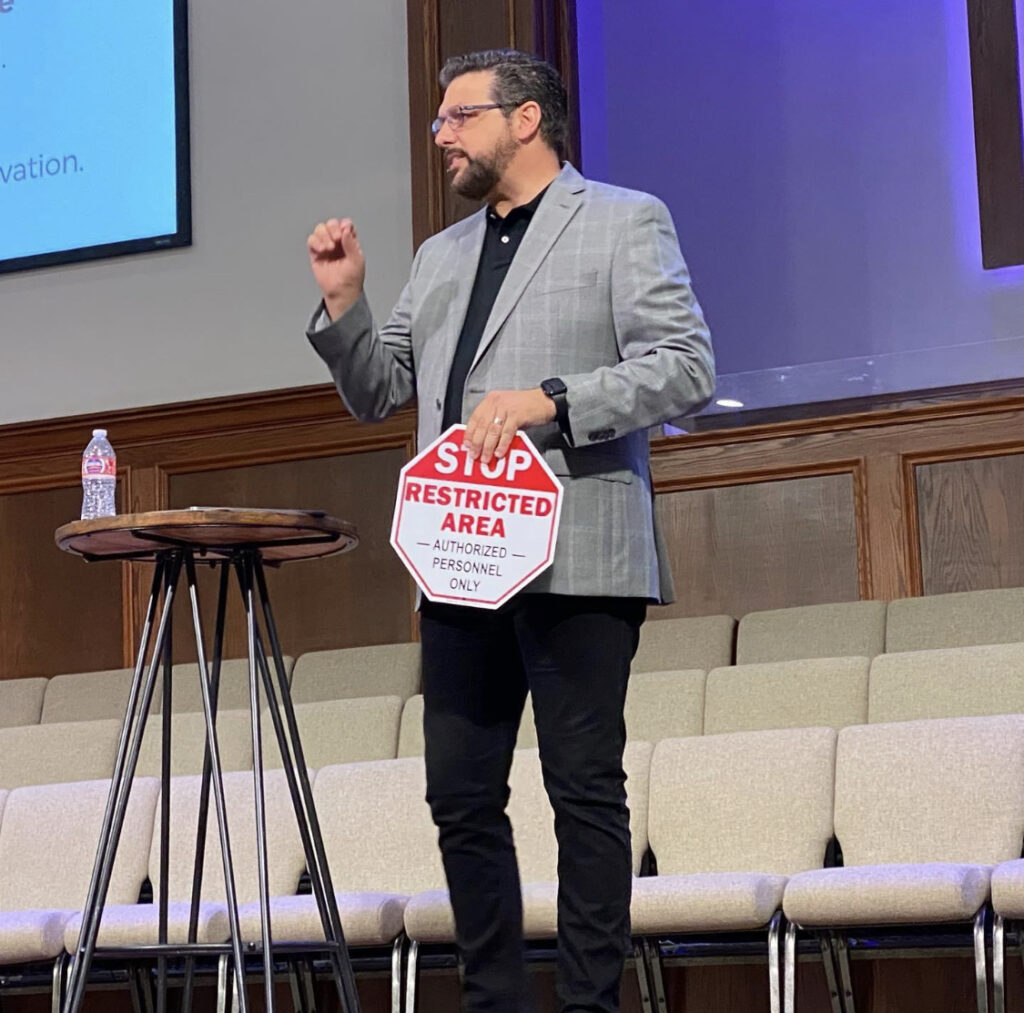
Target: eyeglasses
(456, 116)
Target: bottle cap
(99, 433)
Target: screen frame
(182, 236)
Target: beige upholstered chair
(341, 731)
(136, 924)
(428, 915)
(923, 810)
(844, 629)
(232, 692)
(953, 682)
(52, 753)
(188, 742)
(824, 692)
(961, 619)
(87, 696)
(379, 670)
(21, 701)
(731, 817)
(381, 847)
(48, 840)
(703, 642)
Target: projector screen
(94, 158)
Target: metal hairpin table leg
(165, 578)
(297, 775)
(204, 791)
(220, 803)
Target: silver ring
(498, 421)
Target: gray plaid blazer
(599, 295)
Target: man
(562, 308)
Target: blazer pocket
(588, 279)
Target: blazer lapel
(466, 257)
(556, 210)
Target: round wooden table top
(279, 535)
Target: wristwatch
(556, 390)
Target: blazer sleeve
(667, 366)
(373, 369)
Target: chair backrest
(533, 819)
(743, 802)
(961, 619)
(950, 683)
(51, 753)
(702, 642)
(87, 696)
(341, 731)
(48, 840)
(843, 629)
(232, 688)
(21, 701)
(664, 705)
(941, 790)
(188, 742)
(659, 705)
(410, 731)
(815, 692)
(285, 856)
(377, 829)
(379, 670)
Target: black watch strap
(556, 390)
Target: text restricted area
(476, 534)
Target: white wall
(299, 111)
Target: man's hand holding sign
(474, 531)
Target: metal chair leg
(60, 966)
(999, 964)
(659, 999)
(397, 955)
(309, 985)
(642, 980)
(980, 966)
(842, 951)
(223, 983)
(412, 971)
(828, 960)
(298, 999)
(789, 970)
(774, 984)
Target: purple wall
(819, 162)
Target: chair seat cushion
(703, 902)
(367, 919)
(138, 925)
(887, 894)
(429, 918)
(1008, 889)
(32, 935)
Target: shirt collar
(524, 211)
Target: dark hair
(518, 78)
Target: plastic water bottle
(99, 477)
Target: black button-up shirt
(501, 240)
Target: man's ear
(527, 121)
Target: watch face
(553, 387)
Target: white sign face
(473, 534)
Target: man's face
(478, 152)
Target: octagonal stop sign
(473, 534)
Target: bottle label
(103, 467)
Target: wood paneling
(57, 612)
(360, 597)
(998, 139)
(740, 548)
(971, 522)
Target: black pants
(573, 654)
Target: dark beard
(477, 180)
(481, 176)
